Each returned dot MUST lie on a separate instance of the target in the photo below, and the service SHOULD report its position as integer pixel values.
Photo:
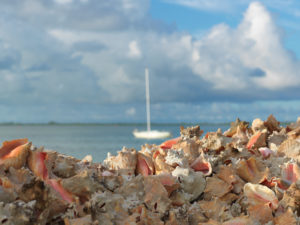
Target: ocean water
(96, 140)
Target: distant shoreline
(120, 124)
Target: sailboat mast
(147, 99)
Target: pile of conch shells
(245, 175)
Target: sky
(208, 60)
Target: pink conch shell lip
(143, 167)
(253, 140)
(265, 152)
(56, 185)
(169, 143)
(200, 164)
(37, 164)
(291, 172)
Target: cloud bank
(84, 60)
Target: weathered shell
(243, 220)
(156, 196)
(250, 172)
(14, 153)
(176, 157)
(125, 162)
(82, 185)
(275, 139)
(190, 132)
(143, 216)
(160, 165)
(227, 174)
(291, 198)
(272, 124)
(257, 125)
(193, 183)
(190, 147)
(215, 141)
(209, 208)
(216, 187)
(86, 220)
(290, 148)
(108, 208)
(169, 182)
(64, 166)
(261, 213)
(17, 213)
(285, 218)
(234, 125)
(195, 214)
(7, 194)
(133, 192)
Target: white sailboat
(150, 134)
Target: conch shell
(249, 171)
(259, 194)
(145, 165)
(202, 165)
(257, 140)
(14, 153)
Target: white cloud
(82, 54)
(134, 50)
(228, 57)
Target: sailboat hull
(152, 134)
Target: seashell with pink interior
(14, 153)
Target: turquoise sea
(94, 139)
